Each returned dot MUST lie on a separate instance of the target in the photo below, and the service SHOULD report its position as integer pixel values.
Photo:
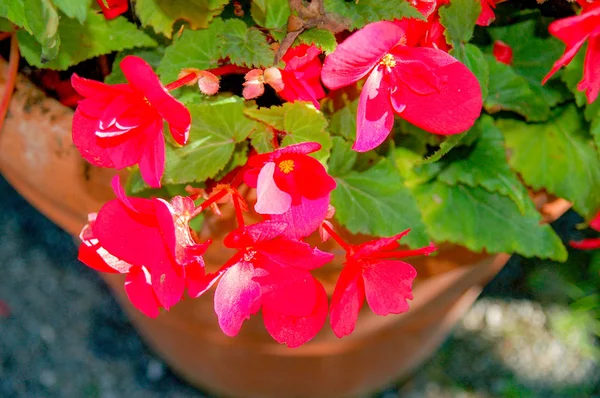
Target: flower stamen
(286, 166)
(388, 60)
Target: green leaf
(510, 91)
(194, 49)
(533, 58)
(162, 14)
(96, 37)
(572, 75)
(558, 156)
(42, 19)
(358, 14)
(473, 59)
(14, 11)
(261, 139)
(271, 14)
(300, 121)
(480, 220)
(216, 128)
(6, 25)
(303, 123)
(445, 147)
(245, 46)
(459, 20)
(322, 38)
(343, 121)
(342, 157)
(376, 202)
(151, 55)
(74, 8)
(486, 166)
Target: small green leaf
(271, 14)
(342, 157)
(96, 37)
(445, 147)
(376, 202)
(510, 91)
(303, 123)
(245, 46)
(358, 14)
(558, 156)
(194, 49)
(322, 38)
(480, 220)
(459, 20)
(486, 166)
(533, 58)
(162, 14)
(261, 139)
(151, 55)
(473, 59)
(74, 8)
(216, 128)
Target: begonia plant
(303, 122)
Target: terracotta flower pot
(39, 160)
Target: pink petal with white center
(374, 117)
(346, 302)
(141, 76)
(237, 297)
(305, 218)
(359, 53)
(388, 284)
(269, 198)
(295, 331)
(451, 109)
(152, 161)
(590, 83)
(84, 138)
(140, 293)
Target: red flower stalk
(425, 86)
(574, 32)
(270, 272)
(150, 241)
(591, 243)
(113, 8)
(122, 125)
(502, 52)
(371, 273)
(292, 187)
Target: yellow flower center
(388, 60)
(286, 166)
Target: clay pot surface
(37, 157)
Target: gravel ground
(63, 335)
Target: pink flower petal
(295, 254)
(388, 284)
(586, 244)
(303, 219)
(303, 148)
(152, 161)
(252, 234)
(374, 118)
(198, 286)
(591, 68)
(140, 292)
(141, 76)
(269, 198)
(451, 110)
(346, 302)
(84, 138)
(487, 16)
(287, 291)
(295, 331)
(359, 53)
(236, 298)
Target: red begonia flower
(149, 239)
(113, 8)
(370, 273)
(574, 31)
(591, 243)
(292, 187)
(487, 16)
(428, 33)
(302, 75)
(425, 86)
(270, 272)
(121, 125)
(502, 52)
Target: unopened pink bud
(208, 82)
(254, 85)
(274, 79)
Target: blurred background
(532, 333)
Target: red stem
(190, 77)
(337, 238)
(208, 202)
(229, 70)
(424, 251)
(238, 211)
(13, 68)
